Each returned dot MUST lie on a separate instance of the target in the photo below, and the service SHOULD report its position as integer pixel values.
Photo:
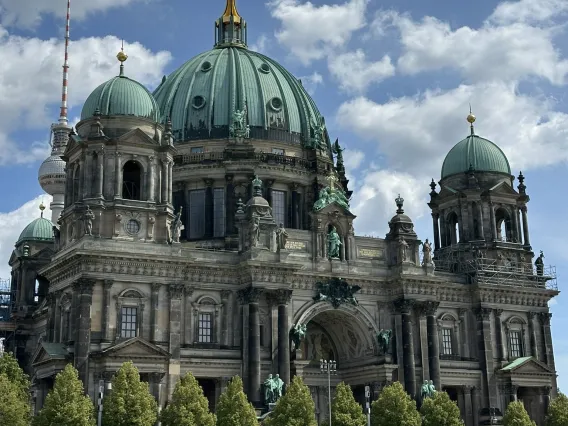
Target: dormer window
(131, 180)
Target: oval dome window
(264, 68)
(276, 104)
(198, 102)
(206, 66)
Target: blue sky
(393, 78)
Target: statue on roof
(427, 252)
(333, 244)
(176, 227)
(239, 127)
(317, 134)
(539, 263)
(281, 237)
(331, 194)
(88, 219)
(402, 250)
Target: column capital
(545, 390)
(532, 315)
(523, 208)
(430, 307)
(249, 295)
(269, 183)
(175, 291)
(107, 284)
(279, 297)
(294, 186)
(498, 312)
(156, 287)
(467, 389)
(544, 318)
(462, 312)
(188, 289)
(225, 294)
(229, 178)
(435, 215)
(208, 182)
(84, 286)
(403, 306)
(483, 314)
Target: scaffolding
(5, 300)
(481, 270)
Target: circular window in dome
(132, 227)
(198, 102)
(265, 68)
(276, 104)
(206, 66)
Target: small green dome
(202, 95)
(40, 229)
(121, 96)
(478, 153)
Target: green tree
(14, 411)
(516, 415)
(295, 408)
(558, 411)
(440, 410)
(129, 403)
(394, 408)
(9, 366)
(345, 411)
(66, 404)
(188, 406)
(234, 409)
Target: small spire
(231, 12)
(471, 119)
(399, 203)
(256, 187)
(41, 208)
(433, 187)
(122, 57)
(522, 187)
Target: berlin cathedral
(206, 227)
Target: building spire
(122, 57)
(471, 119)
(230, 28)
(63, 113)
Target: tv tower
(51, 175)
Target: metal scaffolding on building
(481, 270)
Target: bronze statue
(333, 243)
(384, 338)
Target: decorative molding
(545, 318)
(249, 295)
(403, 306)
(175, 291)
(483, 314)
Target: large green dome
(478, 153)
(202, 95)
(40, 229)
(121, 96)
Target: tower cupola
(230, 28)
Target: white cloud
(311, 32)
(12, 224)
(353, 158)
(27, 13)
(355, 73)
(528, 11)
(311, 82)
(415, 132)
(261, 44)
(508, 52)
(31, 80)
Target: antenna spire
(63, 113)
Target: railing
(220, 156)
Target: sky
(394, 79)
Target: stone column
(84, 289)
(547, 339)
(170, 180)
(89, 172)
(230, 204)
(188, 315)
(461, 401)
(433, 344)
(151, 179)
(118, 175)
(423, 332)
(443, 231)
(462, 313)
(282, 299)
(209, 208)
(475, 405)
(493, 222)
(532, 335)
(107, 285)
(513, 393)
(295, 206)
(269, 185)
(468, 405)
(500, 351)
(100, 173)
(516, 234)
(486, 356)
(175, 292)
(526, 237)
(435, 222)
(82, 187)
(251, 296)
(58, 314)
(52, 303)
(165, 185)
(481, 231)
(545, 396)
(404, 307)
(155, 302)
(227, 315)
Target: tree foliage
(295, 408)
(516, 415)
(440, 410)
(345, 411)
(234, 409)
(14, 410)
(558, 411)
(9, 366)
(188, 406)
(66, 404)
(129, 403)
(394, 408)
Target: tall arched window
(129, 314)
(504, 225)
(131, 180)
(453, 228)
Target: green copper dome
(121, 96)
(478, 153)
(40, 229)
(203, 94)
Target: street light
(329, 367)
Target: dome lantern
(230, 28)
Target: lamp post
(329, 367)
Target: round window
(133, 227)
(206, 66)
(276, 104)
(198, 102)
(265, 68)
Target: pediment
(527, 365)
(47, 352)
(503, 188)
(73, 144)
(447, 191)
(137, 137)
(13, 257)
(335, 210)
(135, 348)
(46, 253)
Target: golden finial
(470, 117)
(121, 56)
(41, 208)
(231, 11)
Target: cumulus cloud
(28, 13)
(529, 11)
(310, 32)
(12, 224)
(31, 80)
(355, 73)
(311, 82)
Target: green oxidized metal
(337, 291)
(40, 229)
(329, 195)
(475, 153)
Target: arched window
(504, 225)
(515, 329)
(206, 313)
(448, 334)
(131, 180)
(453, 228)
(129, 310)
